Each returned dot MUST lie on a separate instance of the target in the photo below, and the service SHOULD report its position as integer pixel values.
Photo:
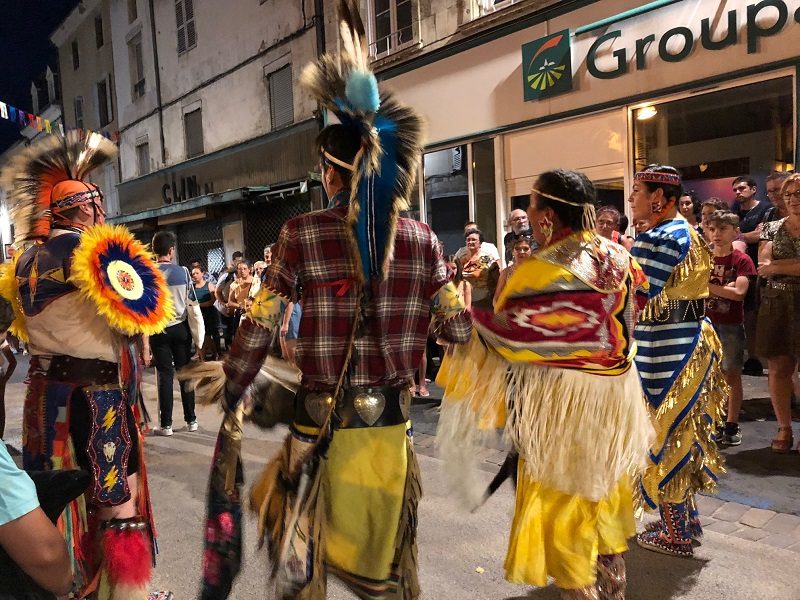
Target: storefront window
(447, 195)
(611, 192)
(483, 185)
(713, 138)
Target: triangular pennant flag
(3, 110)
(39, 124)
(61, 129)
(22, 118)
(31, 120)
(12, 113)
(47, 126)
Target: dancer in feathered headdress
(342, 496)
(384, 167)
(83, 292)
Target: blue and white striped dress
(663, 349)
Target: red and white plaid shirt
(313, 250)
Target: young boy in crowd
(728, 286)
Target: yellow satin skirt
(559, 535)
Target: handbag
(194, 315)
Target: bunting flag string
(25, 119)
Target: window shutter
(193, 125)
(281, 97)
(191, 35)
(179, 20)
(79, 112)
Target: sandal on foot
(423, 392)
(783, 445)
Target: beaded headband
(589, 218)
(658, 177)
(330, 157)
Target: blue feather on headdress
(361, 89)
(376, 197)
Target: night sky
(25, 52)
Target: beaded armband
(447, 303)
(265, 311)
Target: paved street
(751, 549)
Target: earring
(546, 225)
(656, 207)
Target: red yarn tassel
(127, 562)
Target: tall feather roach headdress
(47, 178)
(385, 168)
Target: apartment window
(281, 97)
(76, 59)
(105, 111)
(193, 129)
(132, 12)
(136, 65)
(489, 6)
(98, 30)
(184, 19)
(392, 25)
(142, 158)
(79, 112)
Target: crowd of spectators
(754, 287)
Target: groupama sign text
(677, 43)
(547, 61)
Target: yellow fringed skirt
(558, 535)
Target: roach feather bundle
(32, 175)
(391, 140)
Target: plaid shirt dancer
(371, 282)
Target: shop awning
(192, 204)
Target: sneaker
(192, 426)
(165, 431)
(718, 435)
(732, 437)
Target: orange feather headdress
(47, 178)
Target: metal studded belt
(80, 370)
(680, 311)
(784, 286)
(356, 407)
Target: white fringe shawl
(578, 433)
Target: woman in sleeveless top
(205, 296)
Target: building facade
(513, 88)
(216, 137)
(86, 68)
(46, 104)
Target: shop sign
(673, 45)
(547, 66)
(183, 189)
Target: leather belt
(380, 406)
(680, 311)
(83, 371)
